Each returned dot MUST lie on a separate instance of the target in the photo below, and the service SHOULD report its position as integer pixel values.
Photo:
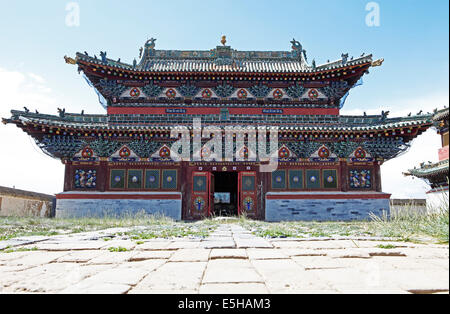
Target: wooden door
(201, 200)
(248, 195)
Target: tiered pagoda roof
(222, 69)
(341, 124)
(224, 87)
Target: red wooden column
(68, 182)
(377, 176)
(102, 176)
(344, 175)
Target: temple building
(436, 173)
(194, 134)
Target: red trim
(205, 111)
(437, 190)
(119, 196)
(327, 196)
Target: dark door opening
(225, 194)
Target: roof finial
(224, 40)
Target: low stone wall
(78, 204)
(325, 207)
(21, 203)
(405, 207)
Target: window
(313, 179)
(279, 179)
(152, 179)
(295, 179)
(117, 179)
(135, 179)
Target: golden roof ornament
(224, 40)
(378, 62)
(69, 60)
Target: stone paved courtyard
(230, 260)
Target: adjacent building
(436, 173)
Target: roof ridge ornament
(297, 50)
(70, 60)
(378, 62)
(150, 43)
(344, 58)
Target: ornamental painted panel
(277, 94)
(133, 92)
(117, 179)
(330, 179)
(279, 179)
(284, 152)
(360, 179)
(199, 204)
(199, 184)
(248, 204)
(124, 154)
(86, 154)
(313, 179)
(85, 179)
(248, 183)
(360, 155)
(323, 154)
(152, 179)
(295, 179)
(135, 179)
(169, 179)
(171, 93)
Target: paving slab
(302, 252)
(97, 288)
(190, 255)
(252, 243)
(123, 275)
(231, 271)
(264, 254)
(155, 246)
(348, 253)
(36, 258)
(425, 281)
(50, 278)
(286, 276)
(228, 254)
(113, 257)
(148, 255)
(232, 288)
(184, 245)
(179, 276)
(218, 244)
(80, 256)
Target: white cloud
(22, 164)
(402, 107)
(39, 79)
(424, 148)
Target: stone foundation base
(320, 206)
(107, 204)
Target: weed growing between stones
(407, 225)
(414, 226)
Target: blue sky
(412, 38)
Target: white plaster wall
(438, 201)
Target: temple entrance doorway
(225, 194)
